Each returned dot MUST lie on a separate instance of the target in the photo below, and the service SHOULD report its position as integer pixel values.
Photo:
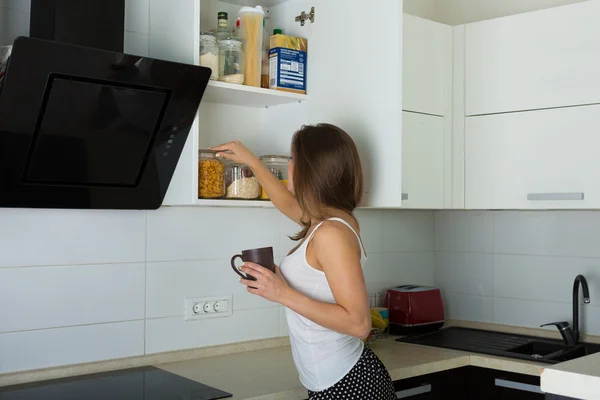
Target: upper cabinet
(427, 66)
(537, 60)
(353, 80)
(546, 159)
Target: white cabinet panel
(423, 159)
(427, 66)
(544, 159)
(536, 60)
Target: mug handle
(235, 268)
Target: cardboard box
(287, 64)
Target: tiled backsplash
(79, 286)
(517, 267)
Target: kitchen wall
(457, 12)
(517, 267)
(79, 286)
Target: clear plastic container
(251, 19)
(278, 165)
(209, 53)
(240, 182)
(211, 175)
(231, 61)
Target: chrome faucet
(571, 336)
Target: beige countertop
(269, 374)
(579, 378)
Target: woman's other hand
(270, 285)
(236, 152)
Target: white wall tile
(529, 313)
(13, 23)
(137, 16)
(169, 334)
(408, 268)
(170, 283)
(135, 44)
(373, 272)
(53, 347)
(543, 278)
(287, 228)
(468, 307)
(371, 230)
(65, 237)
(469, 231)
(199, 233)
(464, 273)
(558, 233)
(283, 326)
(50, 297)
(408, 231)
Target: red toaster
(414, 309)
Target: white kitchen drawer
(534, 160)
(541, 59)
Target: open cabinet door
(354, 80)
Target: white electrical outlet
(208, 307)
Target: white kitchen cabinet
(423, 158)
(353, 81)
(546, 159)
(427, 66)
(536, 60)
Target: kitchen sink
(539, 350)
(501, 344)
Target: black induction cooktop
(147, 383)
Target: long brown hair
(327, 173)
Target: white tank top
(322, 356)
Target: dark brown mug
(263, 257)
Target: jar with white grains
(231, 61)
(209, 53)
(240, 182)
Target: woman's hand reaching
(236, 152)
(270, 285)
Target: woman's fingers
(224, 147)
(254, 269)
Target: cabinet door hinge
(303, 17)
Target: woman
(321, 282)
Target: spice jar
(231, 61)
(278, 165)
(241, 182)
(209, 53)
(211, 175)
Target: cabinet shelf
(235, 203)
(248, 96)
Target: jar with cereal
(211, 175)
(241, 183)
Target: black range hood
(92, 129)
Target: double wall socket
(208, 307)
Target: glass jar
(231, 61)
(209, 53)
(278, 165)
(211, 175)
(241, 183)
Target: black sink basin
(503, 345)
(538, 350)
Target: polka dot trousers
(368, 380)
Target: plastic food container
(251, 22)
(231, 61)
(241, 183)
(278, 165)
(209, 53)
(211, 175)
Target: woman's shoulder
(337, 232)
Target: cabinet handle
(555, 196)
(403, 394)
(524, 387)
(404, 196)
